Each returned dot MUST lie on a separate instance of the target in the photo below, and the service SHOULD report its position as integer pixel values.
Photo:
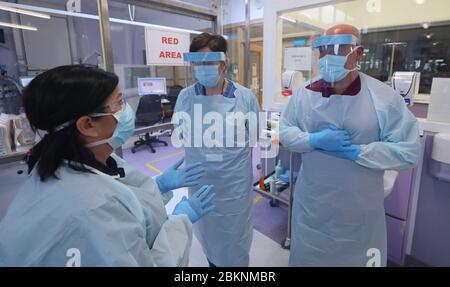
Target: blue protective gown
(108, 221)
(338, 209)
(226, 233)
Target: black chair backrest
(172, 97)
(149, 110)
(173, 93)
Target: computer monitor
(24, 81)
(152, 86)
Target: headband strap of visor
(201, 57)
(338, 39)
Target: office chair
(149, 112)
(172, 96)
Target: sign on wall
(297, 59)
(165, 48)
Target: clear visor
(335, 50)
(203, 68)
(331, 61)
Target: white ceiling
(376, 14)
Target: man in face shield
(350, 128)
(211, 115)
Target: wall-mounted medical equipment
(291, 81)
(10, 95)
(407, 85)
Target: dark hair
(215, 42)
(64, 94)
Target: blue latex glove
(330, 139)
(197, 205)
(351, 152)
(175, 177)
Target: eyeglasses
(112, 108)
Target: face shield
(330, 57)
(205, 68)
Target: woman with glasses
(82, 205)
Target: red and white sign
(165, 48)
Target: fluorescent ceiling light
(95, 17)
(395, 44)
(31, 28)
(288, 19)
(121, 21)
(306, 15)
(25, 12)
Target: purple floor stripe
(270, 221)
(419, 110)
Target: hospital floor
(270, 223)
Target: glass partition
(398, 36)
(36, 36)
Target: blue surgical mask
(124, 129)
(207, 75)
(332, 68)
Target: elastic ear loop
(358, 64)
